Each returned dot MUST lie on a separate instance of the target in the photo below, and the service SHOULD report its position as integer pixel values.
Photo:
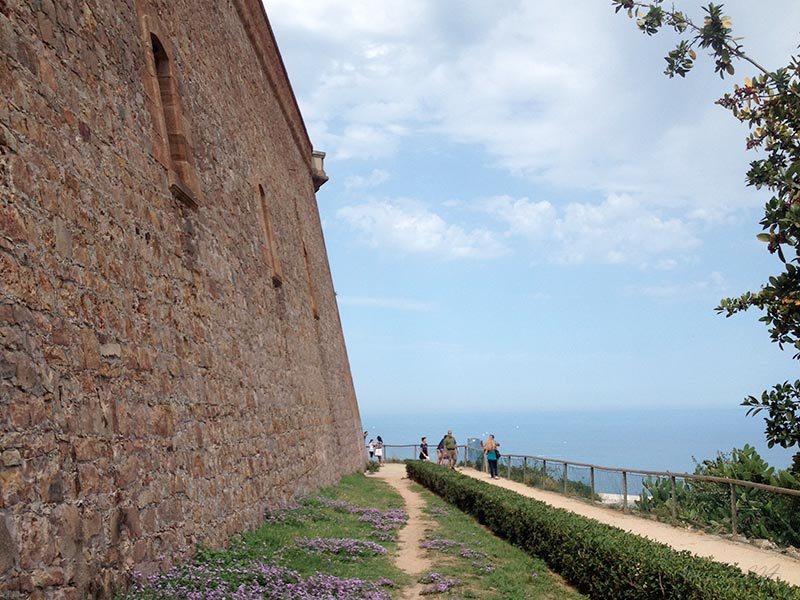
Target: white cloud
(524, 217)
(360, 182)
(345, 21)
(714, 284)
(410, 227)
(364, 141)
(573, 98)
(619, 230)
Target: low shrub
(706, 504)
(600, 560)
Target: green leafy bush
(759, 513)
(600, 560)
(656, 496)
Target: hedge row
(602, 561)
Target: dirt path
(411, 558)
(745, 556)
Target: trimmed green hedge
(602, 561)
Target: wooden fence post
(674, 495)
(625, 491)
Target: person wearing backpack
(451, 449)
(440, 458)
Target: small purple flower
(440, 544)
(480, 562)
(437, 583)
(258, 581)
(344, 546)
(383, 522)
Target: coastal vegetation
(760, 514)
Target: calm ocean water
(658, 440)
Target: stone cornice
(259, 31)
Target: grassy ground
(485, 566)
(339, 545)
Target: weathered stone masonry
(171, 357)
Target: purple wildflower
(440, 544)
(383, 522)
(258, 581)
(343, 546)
(450, 547)
(437, 583)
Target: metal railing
(666, 495)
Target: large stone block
(8, 547)
(69, 532)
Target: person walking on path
(379, 450)
(423, 449)
(440, 458)
(490, 450)
(451, 447)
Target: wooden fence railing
(552, 469)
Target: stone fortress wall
(171, 357)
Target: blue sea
(653, 440)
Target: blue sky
(524, 212)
